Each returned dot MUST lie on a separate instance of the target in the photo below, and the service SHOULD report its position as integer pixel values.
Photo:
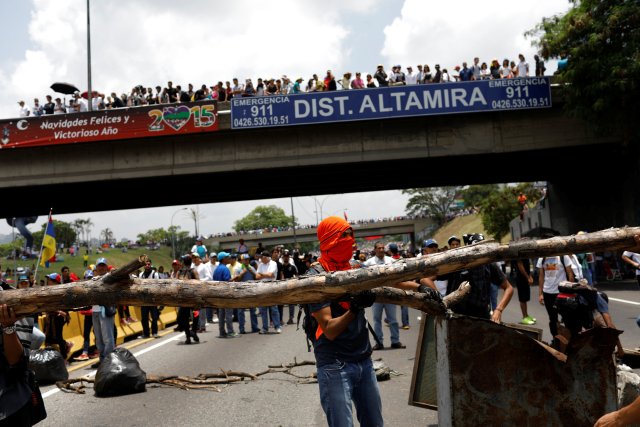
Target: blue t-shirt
(222, 273)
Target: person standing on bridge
(341, 341)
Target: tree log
(118, 288)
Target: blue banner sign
(390, 102)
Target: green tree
(65, 234)
(474, 195)
(601, 41)
(263, 217)
(436, 203)
(157, 235)
(500, 207)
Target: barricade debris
(119, 373)
(48, 365)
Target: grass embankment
(115, 257)
(463, 225)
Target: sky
(203, 41)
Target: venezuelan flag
(48, 244)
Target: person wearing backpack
(146, 310)
(340, 336)
(552, 271)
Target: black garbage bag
(119, 373)
(48, 365)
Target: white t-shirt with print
(554, 272)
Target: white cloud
(150, 42)
(430, 32)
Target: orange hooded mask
(336, 250)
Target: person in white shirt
(212, 313)
(523, 67)
(633, 259)
(205, 275)
(410, 78)
(390, 309)
(552, 271)
(24, 111)
(267, 272)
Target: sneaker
(94, 355)
(406, 327)
(398, 345)
(233, 335)
(261, 332)
(378, 347)
(83, 356)
(132, 319)
(290, 322)
(95, 365)
(123, 322)
(528, 321)
(156, 336)
(223, 336)
(278, 330)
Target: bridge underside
(559, 165)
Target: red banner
(122, 123)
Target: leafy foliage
(601, 41)
(435, 203)
(65, 234)
(474, 195)
(500, 207)
(263, 217)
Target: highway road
(274, 400)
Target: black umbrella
(65, 88)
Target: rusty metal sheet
(489, 374)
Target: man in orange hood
(341, 339)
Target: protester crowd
(142, 95)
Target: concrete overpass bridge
(412, 227)
(593, 177)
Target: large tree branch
(117, 288)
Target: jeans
(390, 311)
(343, 382)
(146, 311)
(210, 314)
(103, 330)
(404, 313)
(37, 338)
(226, 319)
(254, 319)
(275, 316)
(202, 318)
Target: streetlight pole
(89, 94)
(293, 222)
(173, 233)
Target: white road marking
(624, 301)
(141, 352)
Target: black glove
(430, 293)
(362, 300)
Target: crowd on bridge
(355, 223)
(141, 95)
